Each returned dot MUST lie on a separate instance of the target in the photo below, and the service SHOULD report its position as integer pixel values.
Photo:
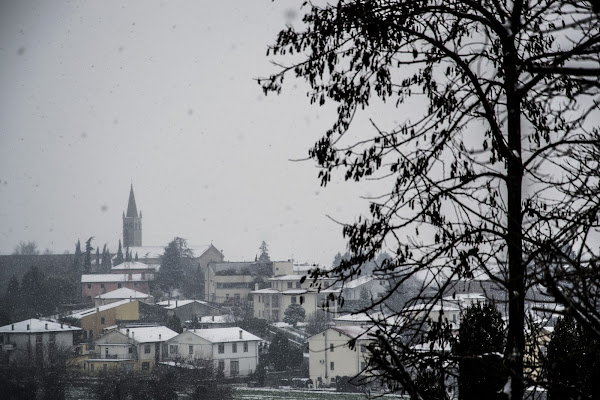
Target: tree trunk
(515, 344)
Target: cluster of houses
(124, 327)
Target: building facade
(331, 357)
(233, 351)
(36, 341)
(93, 285)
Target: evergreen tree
(119, 257)
(106, 262)
(264, 253)
(293, 314)
(174, 323)
(173, 264)
(87, 263)
(480, 343)
(282, 355)
(136, 256)
(13, 298)
(573, 362)
(77, 264)
(98, 259)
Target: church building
(132, 224)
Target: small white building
(331, 357)
(136, 348)
(35, 341)
(233, 351)
(122, 294)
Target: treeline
(49, 282)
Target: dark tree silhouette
(294, 314)
(492, 156)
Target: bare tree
(496, 107)
(27, 249)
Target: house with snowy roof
(36, 341)
(134, 267)
(187, 310)
(95, 321)
(331, 357)
(271, 303)
(138, 348)
(231, 282)
(232, 351)
(93, 285)
(122, 294)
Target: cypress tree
(119, 258)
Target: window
(363, 348)
(89, 285)
(147, 349)
(235, 368)
(275, 301)
(102, 321)
(51, 340)
(363, 366)
(102, 285)
(221, 348)
(301, 299)
(331, 347)
(294, 300)
(119, 285)
(234, 347)
(245, 347)
(290, 285)
(1, 338)
(135, 284)
(106, 352)
(173, 349)
(191, 350)
(236, 298)
(131, 350)
(332, 366)
(92, 367)
(298, 285)
(221, 365)
(38, 338)
(145, 366)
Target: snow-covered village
(300, 200)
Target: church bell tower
(132, 224)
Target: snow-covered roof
(149, 334)
(361, 317)
(431, 307)
(286, 278)
(84, 313)
(361, 280)
(217, 319)
(294, 291)
(265, 291)
(101, 278)
(157, 251)
(172, 304)
(132, 265)
(465, 296)
(221, 335)
(123, 293)
(352, 331)
(35, 325)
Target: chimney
(46, 326)
(61, 325)
(97, 309)
(213, 318)
(27, 326)
(241, 333)
(127, 331)
(13, 327)
(159, 336)
(256, 286)
(176, 304)
(133, 335)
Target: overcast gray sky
(96, 95)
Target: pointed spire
(131, 208)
